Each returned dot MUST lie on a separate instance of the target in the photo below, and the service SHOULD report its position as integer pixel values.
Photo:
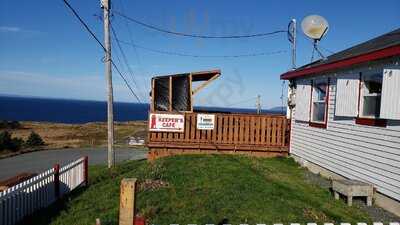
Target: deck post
(57, 181)
(86, 170)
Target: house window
(370, 95)
(319, 101)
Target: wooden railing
(231, 132)
(40, 191)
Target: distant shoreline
(72, 111)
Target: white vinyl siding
(303, 97)
(366, 153)
(347, 96)
(390, 103)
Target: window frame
(319, 124)
(367, 120)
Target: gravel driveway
(36, 162)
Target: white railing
(71, 176)
(40, 191)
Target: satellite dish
(314, 26)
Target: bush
(5, 140)
(14, 125)
(17, 144)
(8, 143)
(34, 140)
(4, 124)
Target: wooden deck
(258, 135)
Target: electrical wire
(124, 56)
(196, 35)
(118, 59)
(84, 24)
(123, 78)
(126, 82)
(133, 44)
(102, 46)
(203, 56)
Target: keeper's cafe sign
(166, 122)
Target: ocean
(82, 111)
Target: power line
(123, 78)
(197, 35)
(102, 46)
(133, 44)
(126, 82)
(124, 56)
(116, 67)
(203, 56)
(84, 24)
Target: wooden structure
(173, 93)
(259, 135)
(353, 188)
(346, 115)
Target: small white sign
(205, 121)
(166, 122)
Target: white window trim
(362, 95)
(314, 82)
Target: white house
(345, 116)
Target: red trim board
(375, 55)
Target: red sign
(166, 122)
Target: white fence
(40, 191)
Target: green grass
(207, 189)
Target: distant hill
(277, 109)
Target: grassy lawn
(206, 189)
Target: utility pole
(258, 104)
(105, 4)
(293, 32)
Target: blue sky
(45, 52)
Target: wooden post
(127, 201)
(57, 181)
(105, 4)
(86, 170)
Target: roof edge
(196, 73)
(375, 55)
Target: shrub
(14, 125)
(8, 143)
(4, 124)
(5, 140)
(34, 140)
(16, 144)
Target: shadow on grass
(47, 215)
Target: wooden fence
(42, 190)
(257, 134)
